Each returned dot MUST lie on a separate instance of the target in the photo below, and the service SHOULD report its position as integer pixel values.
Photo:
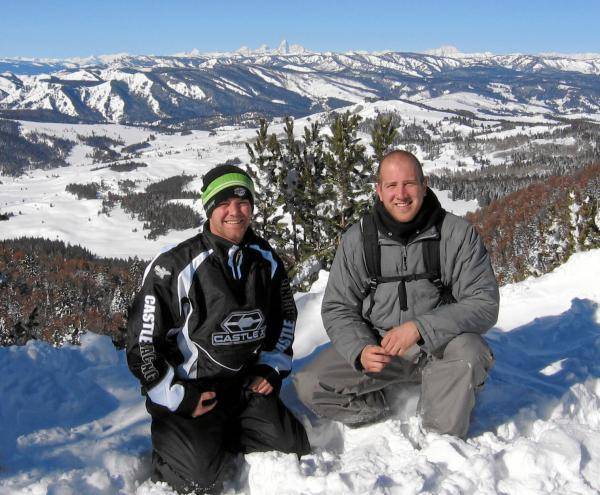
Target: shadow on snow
(538, 363)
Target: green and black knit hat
(223, 182)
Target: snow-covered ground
(72, 420)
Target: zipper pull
(238, 263)
(404, 265)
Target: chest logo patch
(161, 272)
(241, 327)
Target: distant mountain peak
(453, 52)
(444, 51)
(284, 48)
(572, 56)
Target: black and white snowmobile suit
(210, 310)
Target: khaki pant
(449, 379)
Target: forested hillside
(536, 229)
(526, 158)
(54, 292)
(19, 153)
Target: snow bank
(72, 420)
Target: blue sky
(64, 28)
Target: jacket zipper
(402, 293)
(433, 235)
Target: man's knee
(450, 384)
(473, 350)
(305, 382)
(267, 424)
(190, 475)
(187, 452)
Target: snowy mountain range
(197, 90)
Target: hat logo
(239, 191)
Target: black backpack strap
(431, 251)
(431, 254)
(371, 245)
(372, 255)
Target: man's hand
(261, 386)
(374, 358)
(206, 403)
(400, 339)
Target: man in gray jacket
(407, 324)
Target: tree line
(312, 186)
(155, 207)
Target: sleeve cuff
(269, 374)
(190, 399)
(355, 355)
(425, 342)
(432, 340)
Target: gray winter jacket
(464, 264)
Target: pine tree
(6, 337)
(311, 195)
(348, 179)
(265, 155)
(290, 185)
(309, 206)
(383, 135)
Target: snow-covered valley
(41, 206)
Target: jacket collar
(222, 246)
(403, 232)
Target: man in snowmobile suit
(210, 338)
(410, 292)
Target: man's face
(230, 219)
(399, 188)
